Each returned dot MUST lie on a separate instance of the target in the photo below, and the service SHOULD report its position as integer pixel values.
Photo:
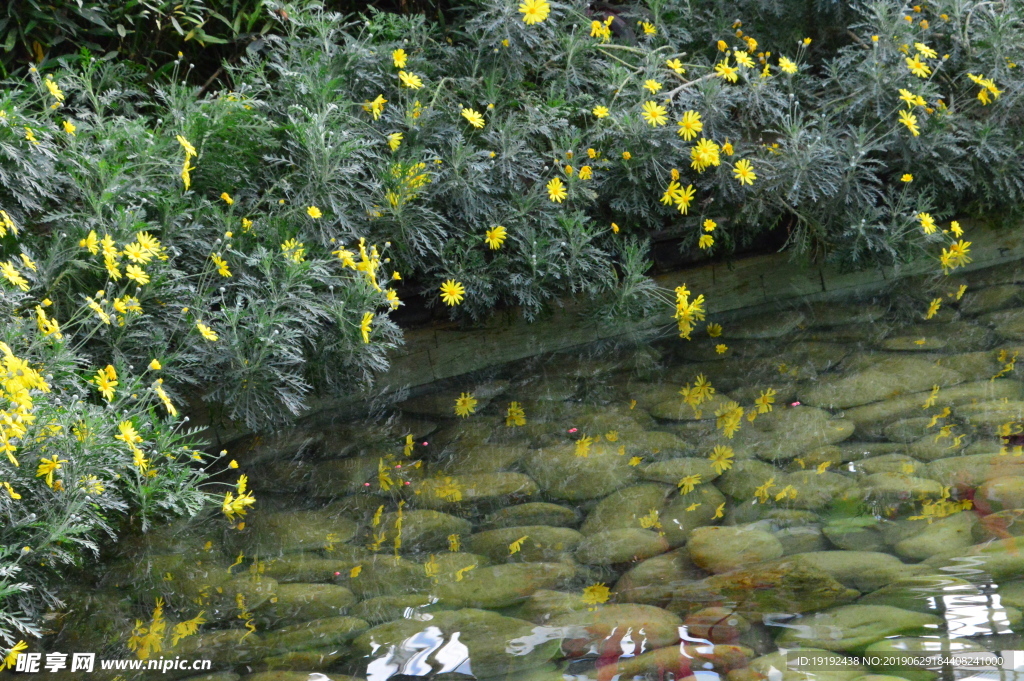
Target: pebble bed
(865, 519)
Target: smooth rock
(536, 543)
(871, 418)
(720, 549)
(801, 539)
(386, 608)
(319, 633)
(887, 378)
(544, 604)
(301, 602)
(1000, 494)
(1008, 324)
(442, 404)
(623, 508)
(906, 647)
(620, 546)
(675, 409)
(500, 586)
(488, 489)
(785, 585)
(764, 325)
(671, 471)
(815, 490)
(895, 487)
(384, 575)
(564, 475)
(971, 470)
(424, 530)
(785, 433)
(924, 593)
(659, 627)
(914, 343)
(497, 645)
(689, 511)
(852, 627)
(680, 660)
(717, 624)
(308, 567)
(532, 513)
(778, 667)
(654, 580)
(891, 463)
(991, 299)
(338, 477)
(864, 571)
(740, 481)
(855, 534)
(294, 531)
(227, 646)
(953, 533)
(482, 458)
(907, 429)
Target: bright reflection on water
(837, 480)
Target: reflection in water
(410, 657)
(616, 524)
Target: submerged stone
(562, 474)
(423, 530)
(655, 627)
(329, 631)
(691, 510)
(654, 580)
(483, 458)
(864, 571)
(545, 604)
(298, 602)
(535, 543)
(387, 608)
(740, 481)
(309, 567)
(624, 508)
(442, 404)
(765, 325)
(853, 627)
(785, 433)
(885, 379)
(784, 666)
(532, 513)
(473, 489)
(953, 533)
(497, 645)
(815, 490)
(784, 585)
(671, 471)
(924, 593)
(294, 531)
(720, 549)
(890, 651)
(620, 546)
(500, 586)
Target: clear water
(872, 511)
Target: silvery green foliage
(290, 129)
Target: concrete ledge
(732, 289)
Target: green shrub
(78, 468)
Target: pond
(828, 490)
